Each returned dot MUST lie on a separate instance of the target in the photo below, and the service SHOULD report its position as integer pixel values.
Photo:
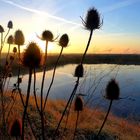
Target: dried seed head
(10, 75)
(32, 56)
(14, 50)
(79, 71)
(92, 20)
(19, 37)
(78, 106)
(16, 128)
(1, 29)
(19, 80)
(11, 58)
(10, 24)
(112, 90)
(47, 35)
(10, 39)
(64, 40)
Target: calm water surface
(93, 86)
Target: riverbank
(120, 59)
(89, 122)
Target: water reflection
(93, 85)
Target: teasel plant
(31, 59)
(91, 23)
(10, 41)
(112, 93)
(63, 43)
(78, 106)
(16, 129)
(1, 40)
(19, 40)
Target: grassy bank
(121, 59)
(88, 125)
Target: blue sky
(120, 32)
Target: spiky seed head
(14, 50)
(112, 90)
(79, 71)
(32, 56)
(20, 80)
(47, 35)
(64, 40)
(10, 24)
(78, 105)
(10, 75)
(92, 20)
(10, 39)
(16, 128)
(11, 58)
(1, 29)
(19, 37)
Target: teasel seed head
(78, 105)
(19, 37)
(14, 50)
(112, 90)
(79, 71)
(47, 35)
(10, 24)
(1, 29)
(64, 40)
(16, 128)
(10, 40)
(92, 20)
(32, 56)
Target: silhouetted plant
(16, 129)
(31, 59)
(79, 71)
(19, 40)
(10, 41)
(78, 106)
(91, 23)
(112, 93)
(1, 32)
(63, 42)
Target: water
(93, 86)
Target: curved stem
(52, 77)
(6, 35)
(27, 101)
(90, 36)
(76, 125)
(19, 65)
(105, 118)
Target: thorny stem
(76, 124)
(52, 77)
(27, 101)
(105, 118)
(72, 94)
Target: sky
(120, 32)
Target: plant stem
(71, 96)
(52, 77)
(6, 35)
(8, 53)
(105, 118)
(19, 65)
(27, 101)
(90, 36)
(76, 125)
(42, 85)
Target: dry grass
(89, 122)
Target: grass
(89, 122)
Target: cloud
(40, 12)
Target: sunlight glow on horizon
(119, 33)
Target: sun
(42, 44)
